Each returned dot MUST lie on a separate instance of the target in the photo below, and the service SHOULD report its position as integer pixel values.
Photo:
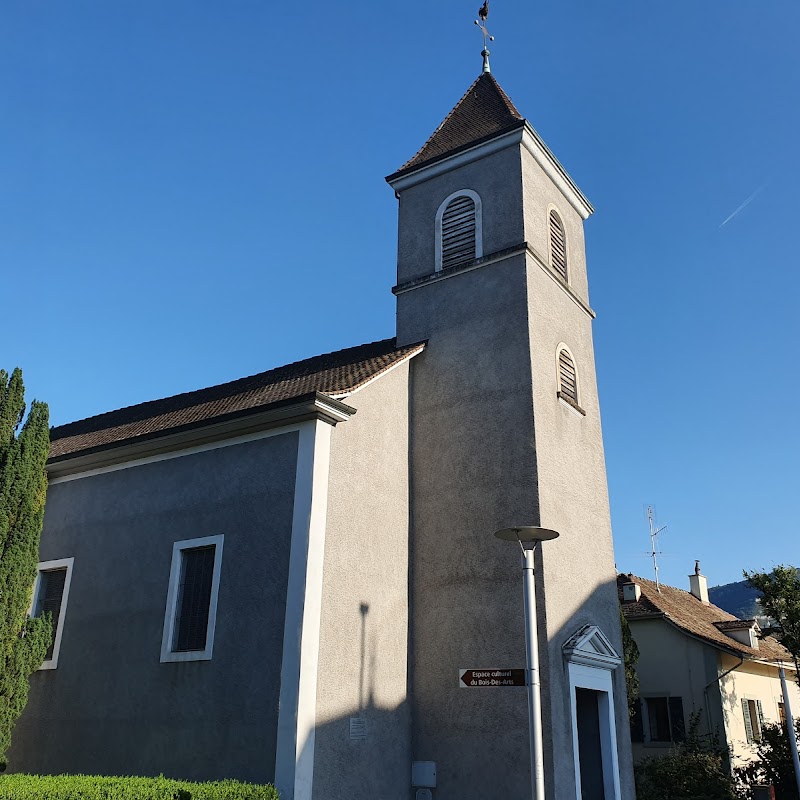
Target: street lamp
(533, 536)
(787, 707)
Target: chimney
(631, 592)
(698, 584)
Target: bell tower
(505, 431)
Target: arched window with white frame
(558, 245)
(459, 230)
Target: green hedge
(87, 787)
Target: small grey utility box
(423, 773)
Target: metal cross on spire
(483, 14)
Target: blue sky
(193, 191)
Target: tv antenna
(654, 551)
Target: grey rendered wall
(497, 179)
(473, 471)
(110, 707)
(579, 583)
(479, 463)
(364, 628)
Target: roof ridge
(64, 431)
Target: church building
(278, 579)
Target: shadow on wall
(366, 752)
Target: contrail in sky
(743, 205)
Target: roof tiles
(335, 374)
(483, 113)
(695, 618)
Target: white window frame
(591, 661)
(478, 223)
(53, 566)
(167, 653)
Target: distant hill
(738, 599)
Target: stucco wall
(672, 664)
(579, 574)
(479, 465)
(752, 681)
(473, 471)
(110, 707)
(498, 181)
(540, 196)
(364, 629)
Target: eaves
(313, 405)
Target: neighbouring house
(279, 578)
(696, 658)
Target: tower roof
(483, 113)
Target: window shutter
(677, 722)
(748, 723)
(567, 377)
(459, 233)
(637, 723)
(194, 599)
(558, 245)
(51, 593)
(761, 722)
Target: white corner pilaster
(294, 757)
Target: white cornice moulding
(535, 145)
(531, 141)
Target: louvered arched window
(567, 378)
(458, 230)
(558, 245)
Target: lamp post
(534, 537)
(787, 705)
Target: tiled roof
(696, 618)
(483, 113)
(334, 374)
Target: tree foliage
(780, 600)
(630, 657)
(774, 766)
(695, 769)
(24, 445)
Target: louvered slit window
(567, 377)
(190, 618)
(459, 232)
(558, 246)
(50, 596)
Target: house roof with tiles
(696, 618)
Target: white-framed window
(558, 245)
(459, 230)
(191, 613)
(50, 593)
(591, 661)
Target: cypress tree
(24, 445)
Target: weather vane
(483, 14)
